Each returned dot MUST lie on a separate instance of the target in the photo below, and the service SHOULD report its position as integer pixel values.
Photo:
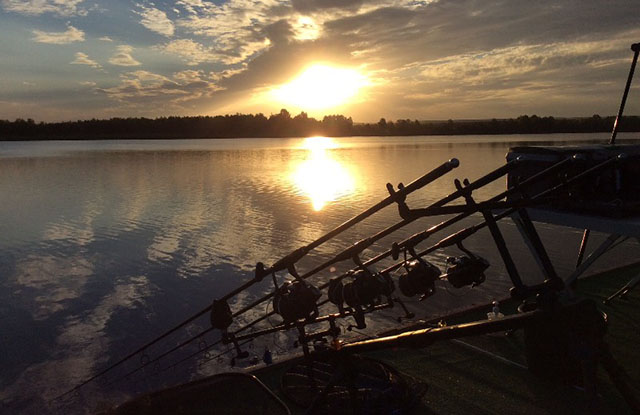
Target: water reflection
(320, 176)
(106, 244)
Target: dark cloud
(279, 32)
(459, 26)
(306, 6)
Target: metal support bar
(583, 247)
(624, 290)
(525, 237)
(604, 247)
(636, 49)
(520, 288)
(540, 252)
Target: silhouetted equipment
(636, 50)
(465, 269)
(296, 300)
(220, 316)
(615, 192)
(363, 292)
(419, 279)
(367, 288)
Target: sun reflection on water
(320, 176)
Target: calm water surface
(104, 245)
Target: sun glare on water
(321, 87)
(320, 177)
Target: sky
(438, 59)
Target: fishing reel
(465, 269)
(420, 277)
(364, 290)
(296, 300)
(221, 317)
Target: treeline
(284, 125)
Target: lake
(106, 244)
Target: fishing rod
(421, 236)
(454, 239)
(397, 196)
(459, 236)
(358, 247)
(290, 259)
(363, 244)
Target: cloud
(37, 7)
(414, 51)
(143, 87)
(123, 57)
(80, 345)
(106, 39)
(156, 20)
(71, 273)
(314, 5)
(392, 36)
(190, 51)
(234, 26)
(567, 78)
(83, 59)
(59, 38)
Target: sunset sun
(321, 87)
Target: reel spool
(367, 288)
(334, 293)
(466, 270)
(419, 279)
(364, 290)
(296, 300)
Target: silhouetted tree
(283, 125)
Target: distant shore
(284, 125)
